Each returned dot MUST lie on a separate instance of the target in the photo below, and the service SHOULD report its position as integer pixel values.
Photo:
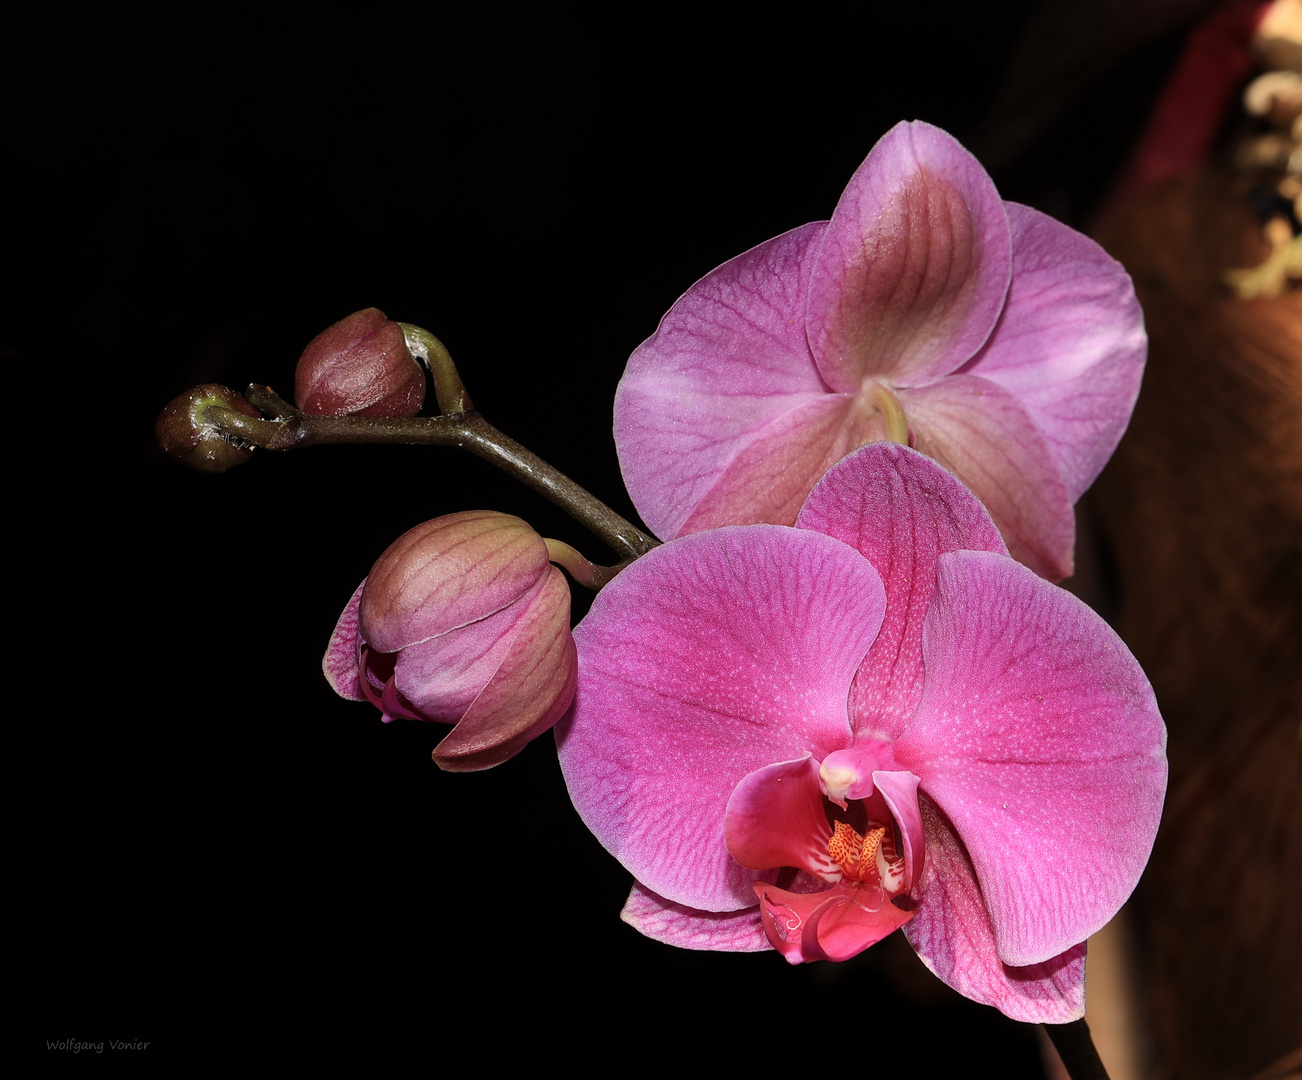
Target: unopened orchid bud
(189, 436)
(361, 366)
(462, 621)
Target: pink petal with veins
(728, 359)
(1039, 738)
(914, 265)
(340, 660)
(952, 935)
(1070, 344)
(771, 476)
(902, 512)
(705, 660)
(983, 435)
(687, 928)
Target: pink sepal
(452, 572)
(528, 694)
(902, 512)
(688, 928)
(771, 476)
(341, 656)
(914, 265)
(986, 437)
(952, 935)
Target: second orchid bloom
(804, 738)
(997, 341)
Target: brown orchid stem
(289, 430)
(1076, 1048)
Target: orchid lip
(865, 851)
(865, 848)
(388, 700)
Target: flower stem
(587, 574)
(1076, 1048)
(449, 390)
(290, 429)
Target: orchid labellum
(804, 738)
(997, 341)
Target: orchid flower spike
(805, 738)
(461, 621)
(927, 311)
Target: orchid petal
(986, 437)
(531, 691)
(952, 935)
(707, 659)
(771, 476)
(728, 359)
(1039, 737)
(832, 925)
(687, 928)
(914, 266)
(902, 512)
(1070, 343)
(340, 660)
(775, 818)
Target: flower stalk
(289, 429)
(1077, 1050)
(449, 390)
(587, 574)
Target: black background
(216, 854)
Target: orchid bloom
(803, 738)
(462, 621)
(995, 340)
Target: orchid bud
(361, 366)
(462, 621)
(187, 436)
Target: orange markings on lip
(856, 855)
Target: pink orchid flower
(804, 738)
(997, 341)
